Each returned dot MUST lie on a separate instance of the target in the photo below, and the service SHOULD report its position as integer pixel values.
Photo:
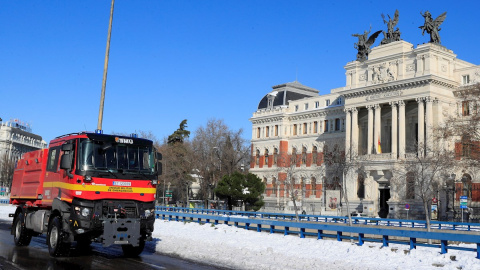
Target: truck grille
(131, 212)
(119, 209)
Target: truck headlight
(85, 212)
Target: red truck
(87, 187)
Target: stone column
(439, 113)
(348, 125)
(421, 127)
(401, 129)
(429, 124)
(354, 132)
(394, 129)
(378, 134)
(370, 129)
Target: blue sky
(195, 60)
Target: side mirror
(67, 147)
(159, 168)
(66, 162)
(159, 157)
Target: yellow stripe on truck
(78, 187)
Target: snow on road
(236, 248)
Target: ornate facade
(391, 103)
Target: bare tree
(7, 167)
(287, 170)
(420, 176)
(340, 164)
(217, 151)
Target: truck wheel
(56, 247)
(22, 236)
(131, 251)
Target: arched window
(275, 156)
(304, 155)
(314, 155)
(257, 157)
(361, 186)
(314, 186)
(294, 155)
(266, 157)
(467, 185)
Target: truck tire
(21, 235)
(55, 235)
(131, 251)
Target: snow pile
(236, 248)
(240, 249)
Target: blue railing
(318, 226)
(4, 201)
(439, 225)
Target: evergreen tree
(240, 187)
(180, 134)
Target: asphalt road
(35, 256)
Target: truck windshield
(115, 157)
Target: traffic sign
(407, 206)
(463, 202)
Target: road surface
(35, 256)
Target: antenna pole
(105, 69)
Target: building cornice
(394, 88)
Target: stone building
(391, 103)
(16, 138)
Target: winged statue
(391, 35)
(432, 26)
(364, 43)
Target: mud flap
(121, 232)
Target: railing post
(286, 231)
(272, 229)
(259, 227)
(339, 236)
(443, 245)
(385, 240)
(319, 234)
(413, 243)
(478, 250)
(302, 232)
(360, 239)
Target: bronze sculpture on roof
(432, 26)
(391, 35)
(364, 43)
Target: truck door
(51, 175)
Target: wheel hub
(54, 237)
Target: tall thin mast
(105, 69)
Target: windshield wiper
(109, 171)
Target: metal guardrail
(439, 225)
(336, 226)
